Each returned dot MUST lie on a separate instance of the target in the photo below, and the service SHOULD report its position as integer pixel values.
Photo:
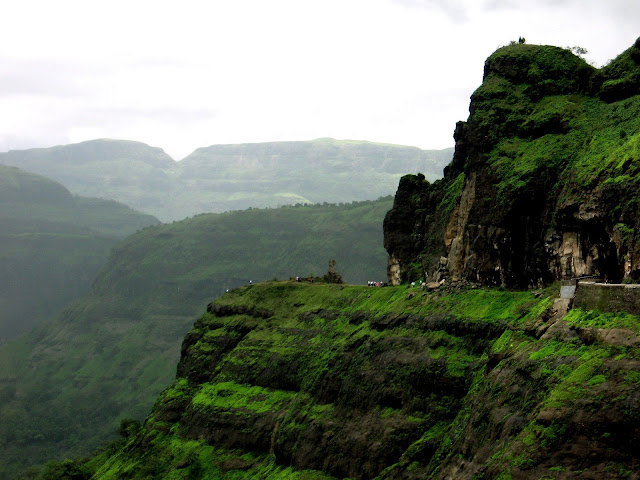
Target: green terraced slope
(289, 380)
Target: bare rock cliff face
(544, 181)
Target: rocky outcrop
(332, 276)
(413, 234)
(549, 178)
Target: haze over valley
(229, 177)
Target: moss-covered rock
(382, 384)
(550, 160)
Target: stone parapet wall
(608, 297)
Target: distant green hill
(230, 177)
(129, 172)
(51, 246)
(65, 385)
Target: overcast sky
(188, 74)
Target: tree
(580, 51)
(128, 427)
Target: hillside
(323, 170)
(455, 380)
(65, 385)
(51, 246)
(289, 380)
(544, 183)
(229, 177)
(129, 172)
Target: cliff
(319, 381)
(544, 180)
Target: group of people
(376, 284)
(300, 279)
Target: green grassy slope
(288, 380)
(51, 246)
(230, 177)
(554, 132)
(64, 386)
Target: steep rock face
(549, 163)
(414, 224)
(415, 199)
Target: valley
(107, 355)
(52, 245)
(463, 367)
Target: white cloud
(182, 76)
(456, 10)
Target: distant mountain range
(229, 177)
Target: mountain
(455, 379)
(65, 385)
(273, 174)
(51, 246)
(319, 381)
(129, 172)
(230, 177)
(544, 183)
